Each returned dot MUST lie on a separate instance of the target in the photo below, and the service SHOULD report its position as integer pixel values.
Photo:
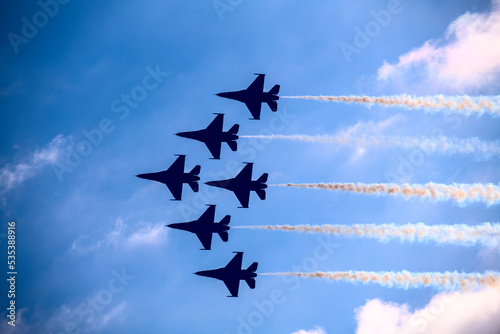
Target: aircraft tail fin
(263, 178)
(273, 105)
(225, 220)
(233, 145)
(261, 193)
(196, 170)
(194, 186)
(234, 129)
(253, 267)
(224, 236)
(275, 90)
(250, 282)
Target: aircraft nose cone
(171, 225)
(182, 134)
(212, 183)
(200, 273)
(224, 94)
(149, 176)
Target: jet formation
(241, 185)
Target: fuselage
(166, 177)
(245, 96)
(205, 136)
(237, 184)
(197, 227)
(224, 273)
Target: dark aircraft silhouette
(205, 226)
(254, 96)
(174, 177)
(242, 184)
(213, 136)
(232, 274)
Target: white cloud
(21, 326)
(466, 58)
(80, 319)
(490, 256)
(316, 330)
(118, 237)
(450, 313)
(115, 313)
(12, 89)
(12, 175)
(367, 129)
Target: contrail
(404, 279)
(459, 234)
(428, 145)
(466, 105)
(460, 193)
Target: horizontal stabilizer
(262, 178)
(253, 267)
(225, 220)
(250, 282)
(194, 186)
(261, 193)
(273, 105)
(234, 129)
(233, 145)
(223, 235)
(275, 90)
(196, 170)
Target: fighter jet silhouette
(205, 226)
(213, 136)
(242, 184)
(254, 96)
(232, 274)
(174, 177)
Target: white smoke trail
(461, 193)
(458, 234)
(428, 145)
(465, 105)
(404, 279)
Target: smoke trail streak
(466, 105)
(460, 193)
(428, 145)
(459, 234)
(404, 279)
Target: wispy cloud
(11, 89)
(82, 318)
(21, 327)
(115, 313)
(466, 58)
(367, 128)
(456, 313)
(14, 174)
(490, 256)
(120, 237)
(315, 330)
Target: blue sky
(92, 252)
